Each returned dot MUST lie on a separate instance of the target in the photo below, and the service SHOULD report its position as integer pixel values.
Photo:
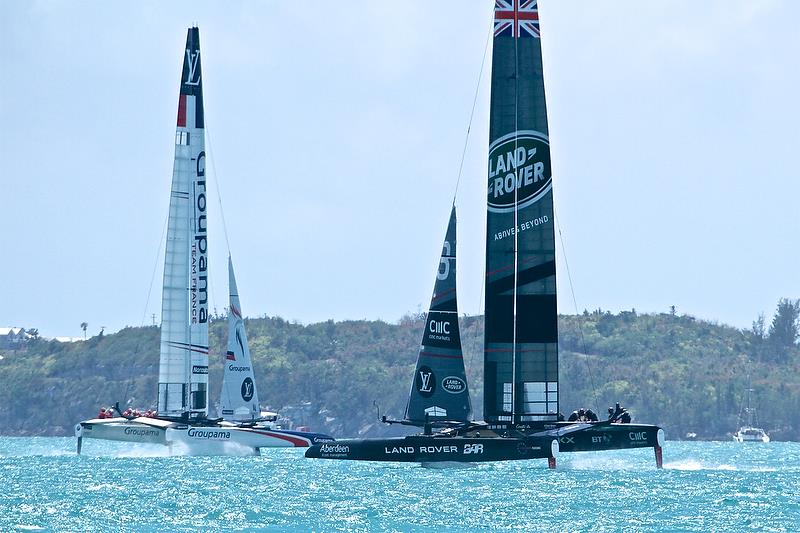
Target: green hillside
(682, 373)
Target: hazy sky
(335, 132)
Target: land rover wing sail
(520, 345)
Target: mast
(521, 335)
(183, 365)
(439, 389)
(239, 398)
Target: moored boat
(748, 432)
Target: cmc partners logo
(519, 170)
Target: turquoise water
(116, 487)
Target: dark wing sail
(520, 344)
(439, 389)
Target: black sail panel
(192, 76)
(520, 344)
(439, 389)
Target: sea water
(704, 486)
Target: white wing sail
(183, 367)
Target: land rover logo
(425, 381)
(518, 162)
(247, 389)
(454, 385)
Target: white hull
(750, 434)
(223, 439)
(216, 438)
(121, 429)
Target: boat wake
(211, 448)
(692, 465)
(138, 451)
(600, 461)
(447, 465)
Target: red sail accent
(182, 111)
(298, 442)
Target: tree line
(685, 374)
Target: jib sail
(239, 398)
(439, 388)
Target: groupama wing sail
(439, 389)
(520, 343)
(239, 399)
(183, 366)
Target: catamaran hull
(216, 438)
(436, 449)
(120, 429)
(546, 442)
(605, 437)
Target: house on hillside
(13, 338)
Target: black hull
(466, 445)
(602, 436)
(437, 449)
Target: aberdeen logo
(519, 170)
(426, 382)
(247, 389)
(334, 448)
(454, 385)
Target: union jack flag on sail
(519, 18)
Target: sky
(335, 133)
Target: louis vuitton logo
(192, 60)
(425, 381)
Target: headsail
(183, 367)
(239, 399)
(520, 344)
(439, 389)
